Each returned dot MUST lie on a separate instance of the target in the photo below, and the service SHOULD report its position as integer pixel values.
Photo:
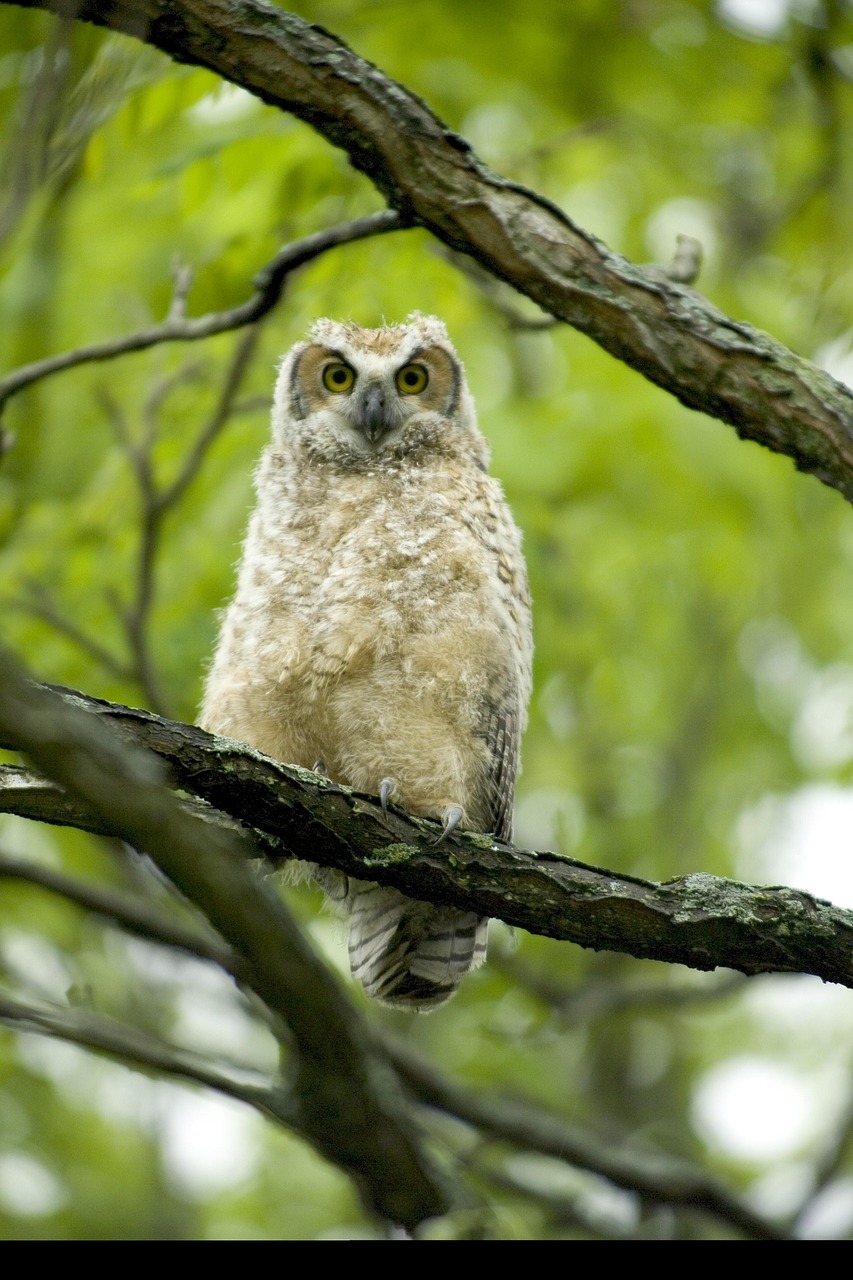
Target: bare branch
(136, 1048)
(269, 285)
(192, 463)
(155, 505)
(599, 999)
(39, 603)
(131, 913)
(655, 1176)
(685, 265)
(182, 275)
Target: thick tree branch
(698, 920)
(671, 334)
(343, 1098)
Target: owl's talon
(319, 766)
(453, 815)
(388, 787)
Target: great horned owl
(381, 622)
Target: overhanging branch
(672, 335)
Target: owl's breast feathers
(390, 634)
(380, 556)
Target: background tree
(694, 678)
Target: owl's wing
(504, 712)
(502, 733)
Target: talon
(452, 817)
(319, 766)
(387, 787)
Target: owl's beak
(375, 414)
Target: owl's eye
(411, 379)
(338, 377)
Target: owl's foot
(389, 789)
(453, 815)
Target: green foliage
(693, 611)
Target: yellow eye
(338, 377)
(411, 379)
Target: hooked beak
(375, 414)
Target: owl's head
(360, 396)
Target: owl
(380, 629)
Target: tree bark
(699, 920)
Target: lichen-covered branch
(699, 920)
(430, 175)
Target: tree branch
(269, 285)
(671, 334)
(133, 1047)
(344, 1099)
(698, 920)
(653, 1175)
(599, 998)
(130, 912)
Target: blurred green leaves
(692, 593)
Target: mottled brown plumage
(381, 622)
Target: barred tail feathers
(408, 954)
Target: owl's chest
(389, 552)
(405, 570)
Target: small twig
(237, 369)
(182, 274)
(129, 912)
(685, 265)
(115, 416)
(157, 502)
(40, 605)
(655, 1176)
(598, 999)
(136, 1048)
(193, 371)
(269, 285)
